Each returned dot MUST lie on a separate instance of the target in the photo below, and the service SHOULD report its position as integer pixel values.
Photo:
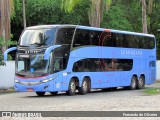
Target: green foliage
(1, 58)
(120, 14)
(116, 19)
(107, 4)
(49, 12)
(152, 91)
(69, 5)
(1, 55)
(17, 12)
(42, 11)
(78, 16)
(5, 43)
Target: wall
(7, 74)
(158, 70)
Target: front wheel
(40, 93)
(141, 82)
(71, 87)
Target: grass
(9, 90)
(152, 91)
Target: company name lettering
(131, 52)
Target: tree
(7, 11)
(5, 43)
(116, 18)
(40, 12)
(95, 12)
(144, 17)
(1, 55)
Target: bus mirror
(7, 51)
(48, 51)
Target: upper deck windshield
(38, 37)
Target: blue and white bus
(54, 58)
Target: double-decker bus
(54, 58)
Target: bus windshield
(38, 37)
(32, 65)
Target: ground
(97, 100)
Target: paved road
(118, 100)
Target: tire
(84, 88)
(89, 86)
(133, 84)
(141, 83)
(53, 93)
(72, 87)
(40, 93)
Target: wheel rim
(85, 86)
(133, 83)
(72, 86)
(141, 82)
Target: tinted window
(65, 35)
(130, 41)
(106, 40)
(152, 64)
(95, 37)
(59, 58)
(86, 37)
(89, 37)
(95, 65)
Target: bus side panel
(122, 78)
(151, 71)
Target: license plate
(30, 90)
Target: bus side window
(125, 40)
(94, 37)
(65, 35)
(58, 64)
(118, 40)
(81, 38)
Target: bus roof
(50, 26)
(88, 28)
(116, 31)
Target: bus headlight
(16, 81)
(49, 79)
(46, 80)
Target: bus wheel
(71, 87)
(133, 84)
(40, 93)
(53, 93)
(89, 86)
(84, 88)
(141, 82)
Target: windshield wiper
(22, 75)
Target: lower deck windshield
(35, 65)
(32, 65)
